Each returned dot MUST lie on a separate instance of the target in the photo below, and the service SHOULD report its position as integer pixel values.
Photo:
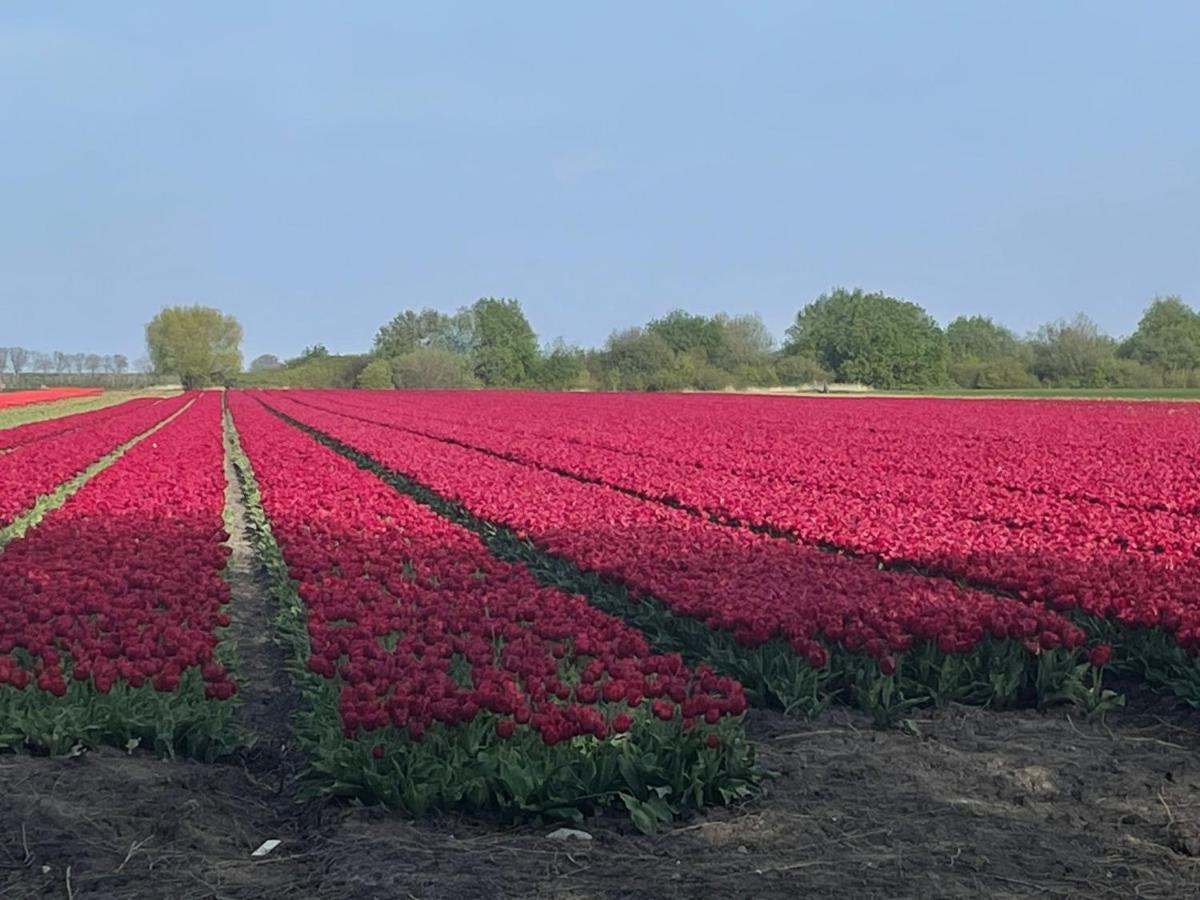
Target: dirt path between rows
(267, 695)
(977, 803)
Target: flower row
(110, 607)
(412, 631)
(960, 504)
(43, 428)
(35, 468)
(756, 588)
(44, 395)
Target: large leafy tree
(980, 337)
(505, 347)
(685, 332)
(561, 366)
(200, 344)
(412, 330)
(634, 353)
(744, 341)
(984, 354)
(1167, 337)
(870, 338)
(1073, 353)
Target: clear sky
(314, 168)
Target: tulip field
(545, 605)
(10, 399)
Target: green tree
(505, 347)
(994, 373)
(1074, 353)
(200, 344)
(870, 338)
(980, 337)
(330, 371)
(316, 351)
(799, 369)
(411, 330)
(375, 374)
(986, 355)
(744, 341)
(634, 357)
(685, 332)
(432, 367)
(1167, 337)
(561, 366)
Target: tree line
(19, 361)
(21, 367)
(844, 336)
(888, 343)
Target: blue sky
(314, 168)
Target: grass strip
(40, 412)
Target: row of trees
(18, 361)
(848, 336)
(23, 368)
(842, 336)
(488, 343)
(888, 343)
(491, 343)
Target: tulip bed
(35, 466)
(111, 609)
(1082, 506)
(436, 675)
(797, 624)
(545, 605)
(43, 395)
(28, 432)
(14, 416)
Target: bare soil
(267, 695)
(965, 802)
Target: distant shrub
(800, 369)
(998, 373)
(430, 367)
(311, 372)
(375, 374)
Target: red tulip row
(424, 653)
(1135, 455)
(33, 469)
(1117, 554)
(43, 428)
(43, 395)
(110, 607)
(757, 589)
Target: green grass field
(1061, 393)
(36, 412)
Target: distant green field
(36, 412)
(1063, 393)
